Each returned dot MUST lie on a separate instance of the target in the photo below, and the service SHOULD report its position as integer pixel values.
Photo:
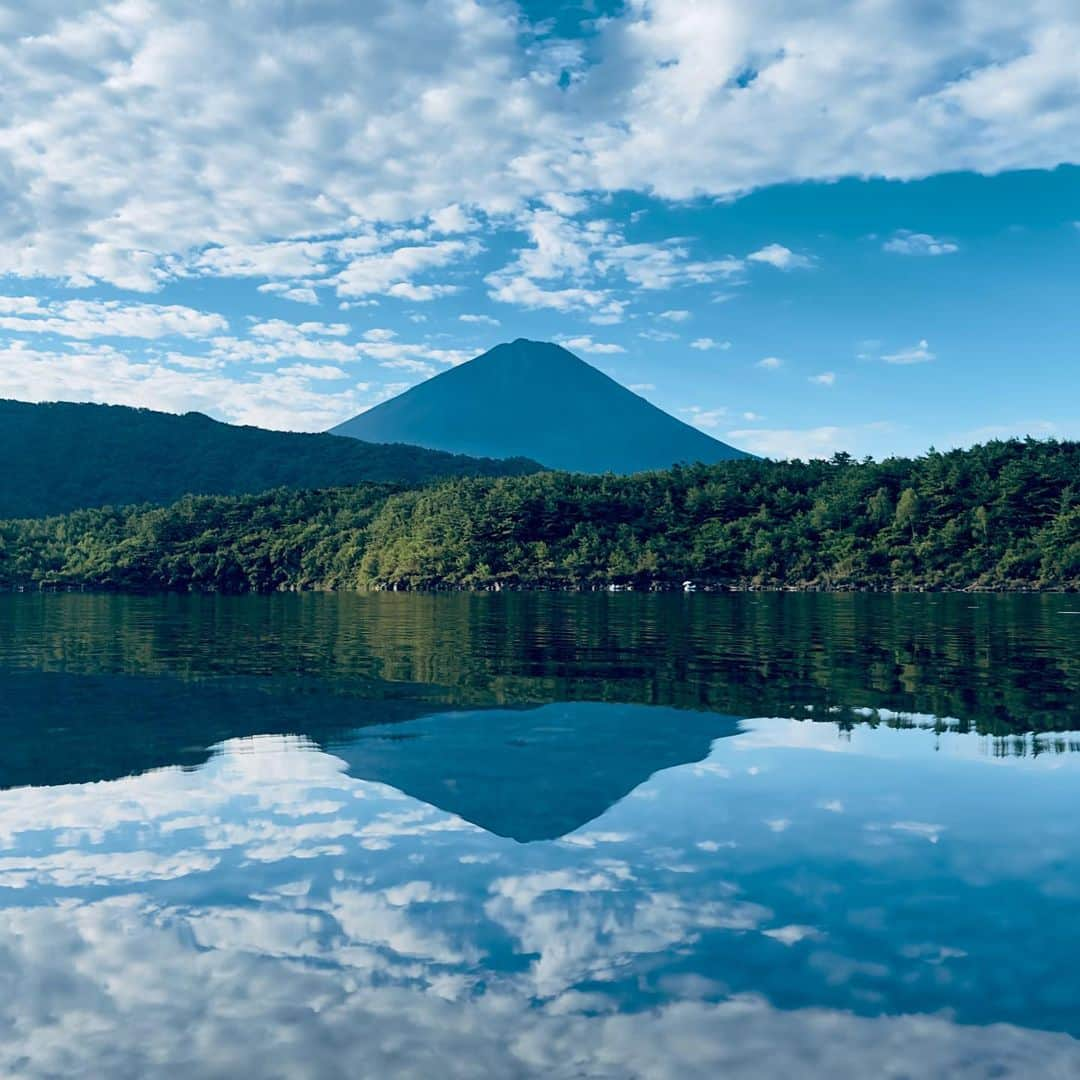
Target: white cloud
(479, 320)
(302, 294)
(273, 399)
(87, 319)
(588, 260)
(642, 387)
(279, 330)
(273, 377)
(826, 378)
(118, 165)
(391, 271)
(912, 243)
(586, 344)
(678, 315)
(452, 219)
(707, 419)
(817, 442)
(781, 257)
(705, 344)
(722, 99)
(770, 363)
(914, 354)
(289, 259)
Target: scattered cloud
(479, 320)
(585, 344)
(826, 378)
(575, 265)
(285, 399)
(87, 319)
(806, 443)
(677, 316)
(781, 257)
(302, 294)
(138, 196)
(707, 419)
(770, 363)
(391, 272)
(705, 344)
(915, 354)
(913, 243)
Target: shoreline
(67, 588)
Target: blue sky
(804, 228)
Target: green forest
(1004, 515)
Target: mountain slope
(61, 456)
(537, 400)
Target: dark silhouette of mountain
(537, 400)
(62, 456)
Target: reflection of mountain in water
(526, 773)
(62, 728)
(531, 774)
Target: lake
(539, 835)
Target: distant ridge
(537, 400)
(62, 456)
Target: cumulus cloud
(706, 419)
(585, 343)
(176, 383)
(87, 319)
(781, 257)
(806, 443)
(295, 376)
(705, 344)
(770, 363)
(570, 264)
(116, 165)
(913, 243)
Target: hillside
(1001, 516)
(537, 400)
(62, 456)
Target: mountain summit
(536, 399)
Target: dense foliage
(62, 456)
(1002, 515)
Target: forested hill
(1003, 515)
(61, 456)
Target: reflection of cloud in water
(235, 920)
(911, 740)
(115, 989)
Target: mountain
(538, 400)
(62, 456)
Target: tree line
(1004, 515)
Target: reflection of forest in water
(1000, 665)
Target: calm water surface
(539, 836)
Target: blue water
(556, 887)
